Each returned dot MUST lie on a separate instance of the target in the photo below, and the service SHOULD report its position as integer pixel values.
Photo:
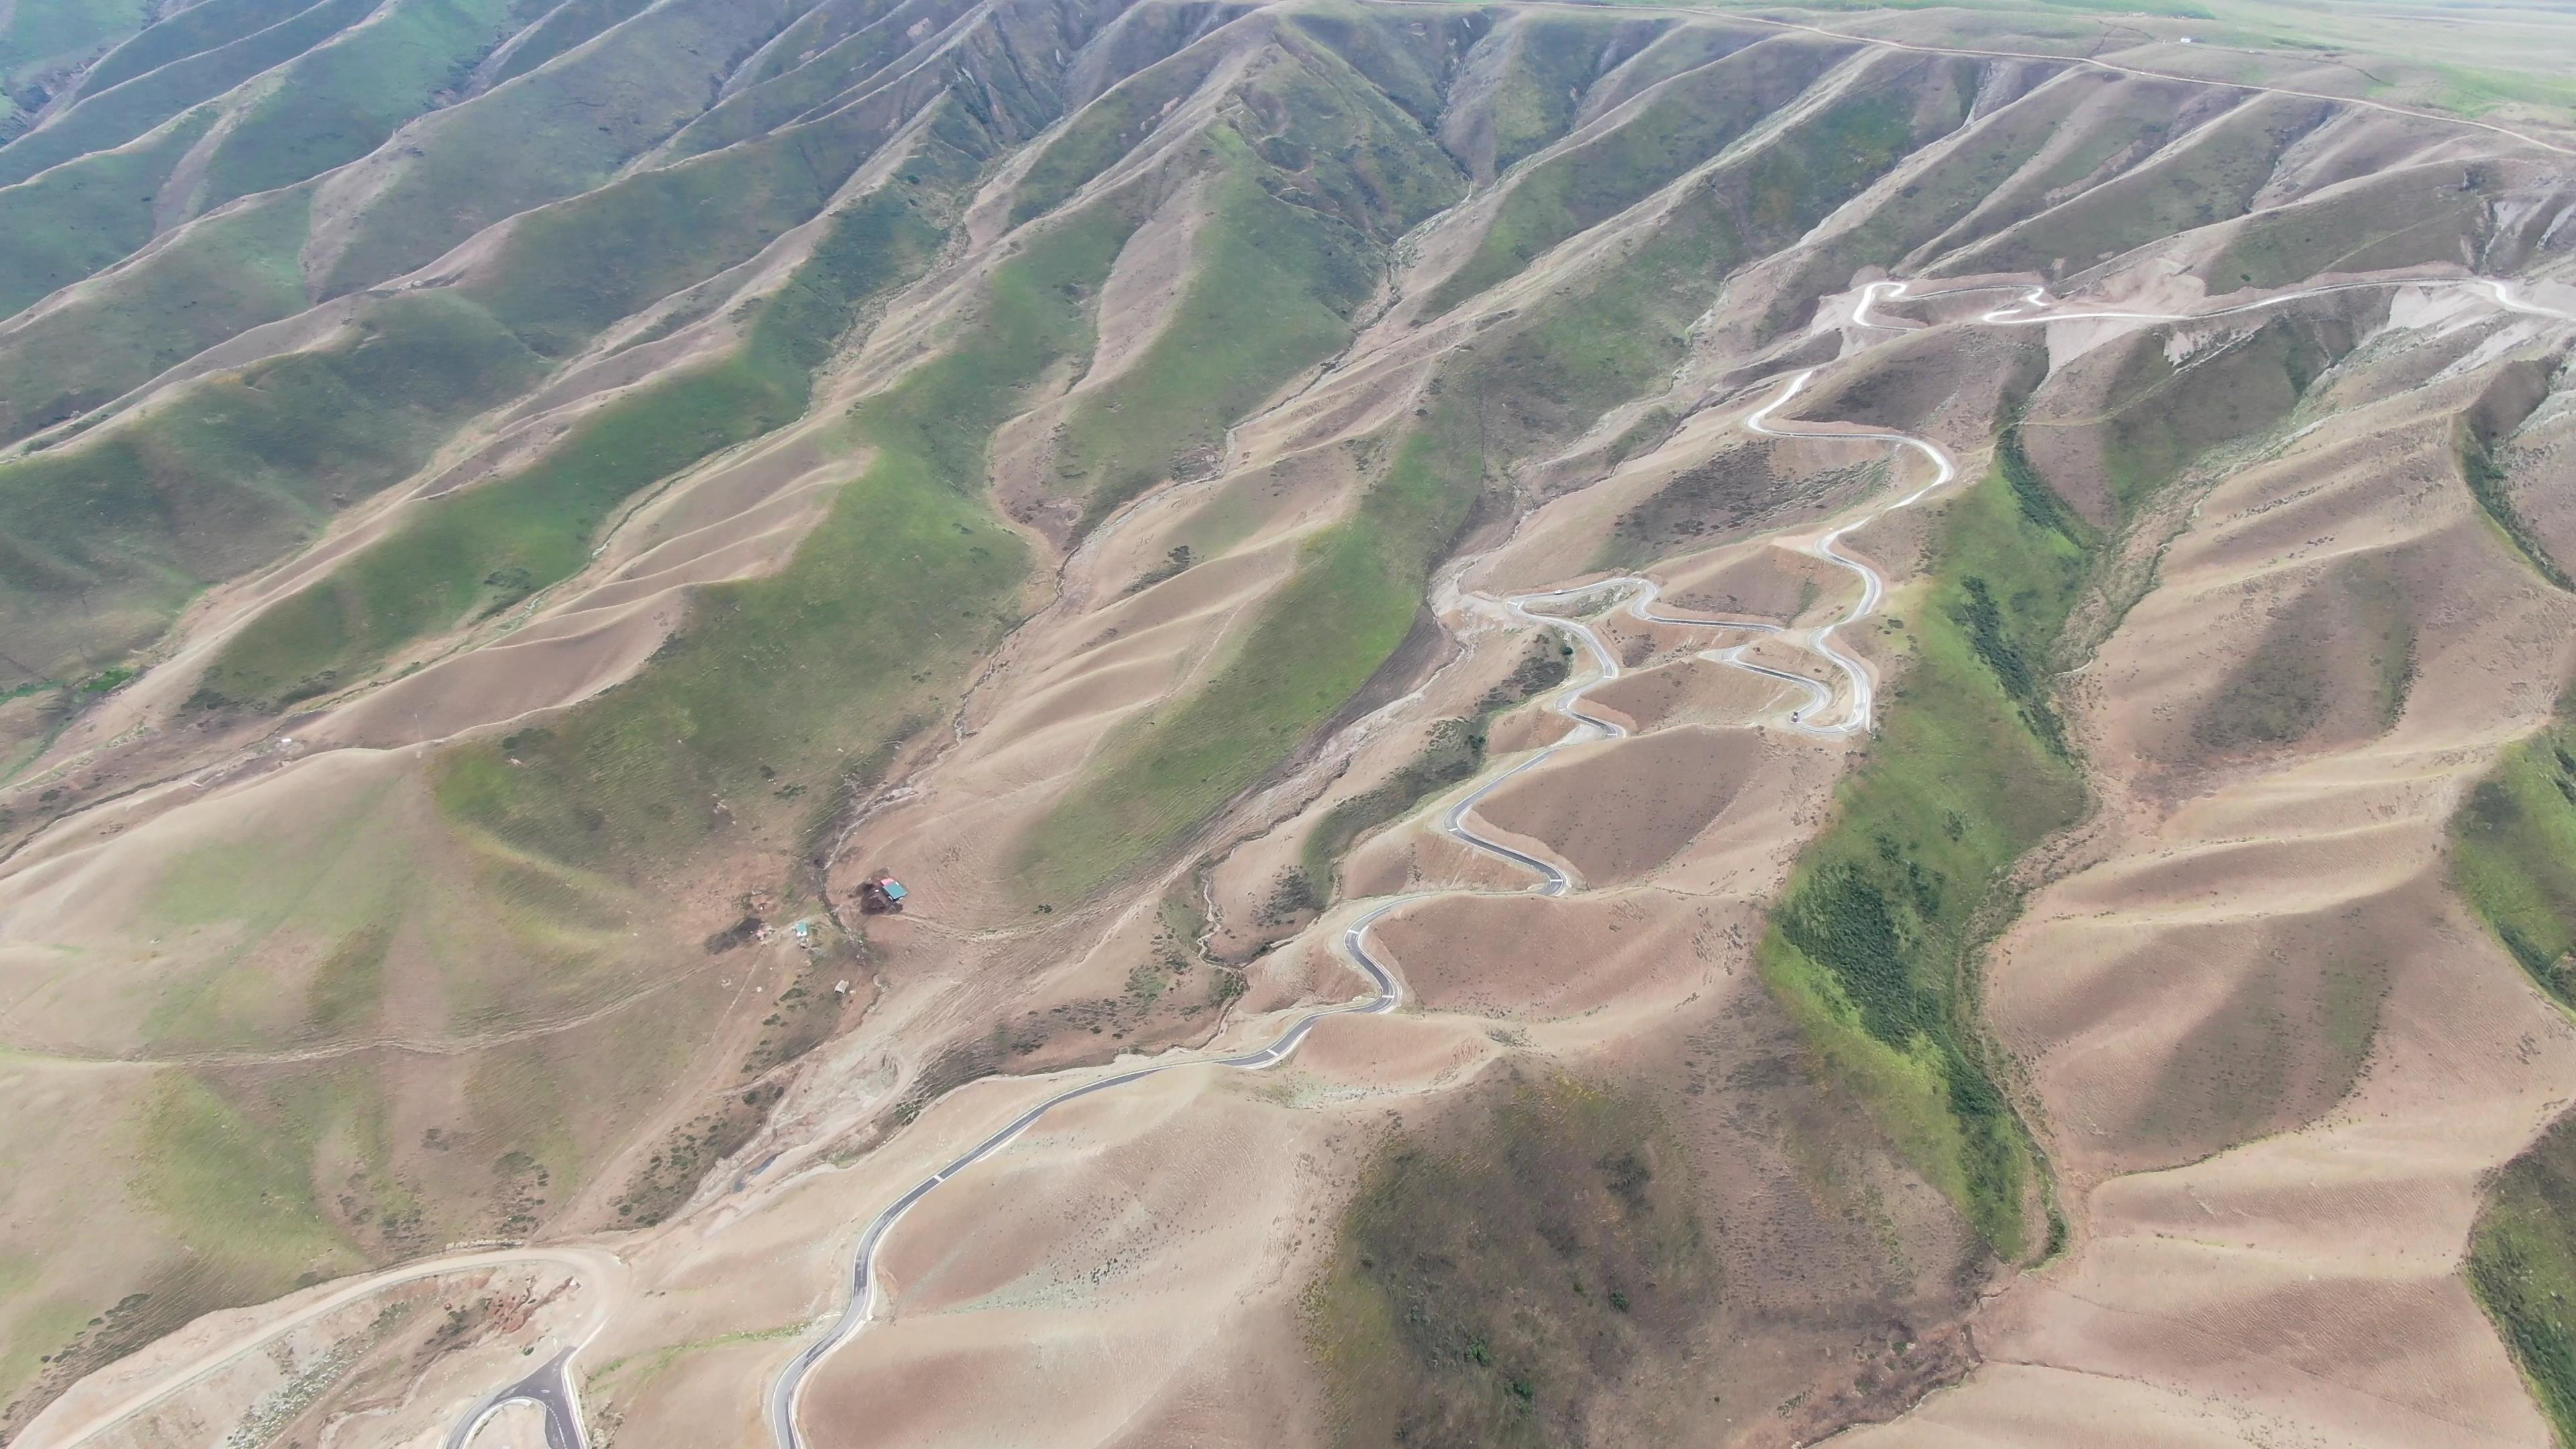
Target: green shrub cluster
(1875, 945)
(2522, 1268)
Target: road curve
(789, 1387)
(1873, 587)
(596, 1263)
(550, 1387)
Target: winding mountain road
(552, 1385)
(2037, 308)
(788, 1389)
(2034, 306)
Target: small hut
(881, 895)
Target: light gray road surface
(550, 1387)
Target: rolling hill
(1931, 643)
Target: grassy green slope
(2210, 176)
(1687, 121)
(104, 541)
(85, 214)
(1406, 55)
(343, 98)
(2513, 856)
(2398, 218)
(1307, 182)
(469, 556)
(40, 33)
(118, 114)
(908, 578)
(210, 282)
(553, 134)
(840, 70)
(560, 29)
(566, 271)
(1352, 599)
(1107, 129)
(192, 31)
(1874, 948)
(2522, 1267)
(1275, 290)
(1554, 59)
(2162, 416)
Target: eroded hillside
(1648, 726)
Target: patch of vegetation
(2490, 484)
(1554, 59)
(555, 133)
(907, 577)
(100, 543)
(808, 1011)
(1108, 129)
(1488, 1287)
(2275, 1055)
(2211, 176)
(475, 553)
(1823, 161)
(676, 1167)
(2357, 626)
(183, 33)
(2522, 1268)
(2513, 854)
(1274, 289)
(1875, 947)
(1690, 119)
(238, 1183)
(2164, 414)
(2398, 222)
(565, 272)
(41, 38)
(1175, 563)
(1650, 429)
(107, 681)
(349, 984)
(1455, 752)
(2277, 697)
(341, 99)
(77, 218)
(107, 118)
(559, 29)
(1714, 498)
(632, 1371)
(212, 281)
(1352, 600)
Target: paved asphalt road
(549, 1386)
